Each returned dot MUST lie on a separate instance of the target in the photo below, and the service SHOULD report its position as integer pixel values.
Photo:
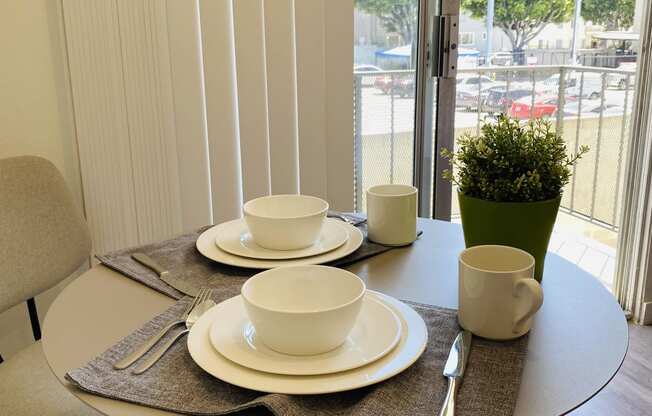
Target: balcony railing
(588, 105)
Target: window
(467, 38)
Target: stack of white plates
(387, 338)
(231, 243)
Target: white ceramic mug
(498, 295)
(392, 214)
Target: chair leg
(33, 317)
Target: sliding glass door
(397, 87)
(429, 71)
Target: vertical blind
(634, 264)
(186, 109)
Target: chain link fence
(587, 105)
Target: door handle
(443, 46)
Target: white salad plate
(375, 333)
(234, 237)
(207, 247)
(414, 336)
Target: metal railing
(588, 105)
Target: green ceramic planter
(524, 225)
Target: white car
(620, 80)
(591, 86)
(366, 71)
(473, 82)
(501, 58)
(471, 89)
(594, 108)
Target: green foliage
(612, 14)
(399, 16)
(512, 162)
(522, 20)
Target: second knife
(172, 280)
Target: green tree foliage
(611, 14)
(396, 16)
(512, 162)
(522, 20)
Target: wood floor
(630, 392)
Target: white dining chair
(43, 239)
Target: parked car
(467, 99)
(401, 84)
(383, 83)
(472, 81)
(593, 107)
(501, 58)
(405, 87)
(499, 100)
(551, 84)
(620, 80)
(544, 106)
(591, 87)
(367, 78)
(472, 89)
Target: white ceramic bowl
(303, 310)
(285, 222)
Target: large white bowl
(285, 222)
(303, 310)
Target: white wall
(35, 116)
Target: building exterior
(551, 46)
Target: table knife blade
(459, 354)
(179, 284)
(454, 370)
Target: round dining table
(577, 344)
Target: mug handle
(533, 290)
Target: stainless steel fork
(203, 305)
(133, 356)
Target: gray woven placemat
(176, 383)
(180, 256)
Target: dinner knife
(172, 280)
(454, 370)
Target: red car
(399, 84)
(383, 83)
(544, 106)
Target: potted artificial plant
(510, 180)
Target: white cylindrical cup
(392, 214)
(498, 295)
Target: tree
(522, 20)
(398, 16)
(611, 14)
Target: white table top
(576, 346)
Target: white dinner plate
(376, 333)
(207, 247)
(414, 336)
(234, 237)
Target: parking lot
(387, 142)
(384, 113)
